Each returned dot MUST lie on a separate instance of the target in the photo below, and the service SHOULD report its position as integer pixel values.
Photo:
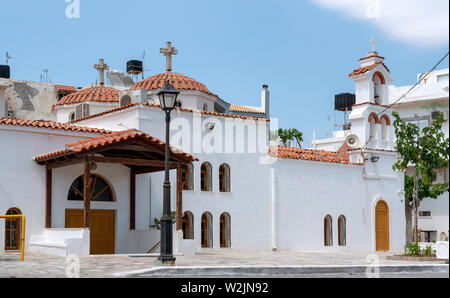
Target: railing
(22, 234)
(154, 247)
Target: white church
(232, 188)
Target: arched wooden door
(12, 230)
(382, 226)
(206, 228)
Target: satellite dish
(352, 141)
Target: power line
(415, 85)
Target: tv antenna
(8, 57)
(45, 77)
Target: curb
(264, 271)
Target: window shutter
(191, 176)
(227, 179)
(209, 174)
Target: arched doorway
(102, 222)
(207, 232)
(225, 230)
(12, 230)
(382, 226)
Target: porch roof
(132, 148)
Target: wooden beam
(86, 194)
(132, 161)
(48, 198)
(132, 199)
(64, 163)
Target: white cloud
(423, 23)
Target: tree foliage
(424, 151)
(289, 135)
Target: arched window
(205, 107)
(442, 236)
(206, 177)
(188, 225)
(207, 230)
(187, 176)
(12, 230)
(378, 82)
(328, 231)
(225, 230)
(224, 178)
(385, 123)
(373, 120)
(100, 190)
(72, 117)
(124, 101)
(342, 229)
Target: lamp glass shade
(168, 96)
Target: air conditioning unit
(435, 115)
(441, 176)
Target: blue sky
(304, 50)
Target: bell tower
(371, 116)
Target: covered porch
(133, 149)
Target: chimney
(265, 100)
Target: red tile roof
(51, 125)
(311, 155)
(364, 69)
(179, 81)
(100, 94)
(66, 88)
(245, 109)
(112, 139)
(157, 106)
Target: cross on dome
(168, 51)
(101, 67)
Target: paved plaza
(116, 266)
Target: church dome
(179, 81)
(98, 94)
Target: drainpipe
(274, 209)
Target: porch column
(132, 199)
(86, 193)
(48, 198)
(179, 198)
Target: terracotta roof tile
(311, 155)
(66, 88)
(111, 139)
(157, 106)
(245, 109)
(51, 125)
(364, 69)
(100, 94)
(179, 81)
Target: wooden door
(382, 226)
(13, 229)
(103, 229)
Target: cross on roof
(373, 42)
(101, 67)
(168, 51)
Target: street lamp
(167, 98)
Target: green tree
(421, 152)
(289, 135)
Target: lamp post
(167, 98)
